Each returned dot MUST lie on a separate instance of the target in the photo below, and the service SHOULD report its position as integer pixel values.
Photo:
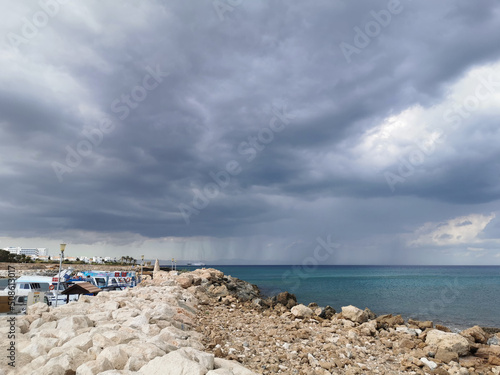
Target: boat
(107, 279)
(25, 285)
(198, 264)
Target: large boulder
(74, 323)
(232, 366)
(37, 308)
(354, 314)
(69, 361)
(138, 321)
(185, 281)
(301, 311)
(389, 321)
(116, 355)
(452, 342)
(475, 334)
(327, 313)
(494, 340)
(179, 362)
(286, 299)
(486, 351)
(94, 367)
(423, 325)
(82, 342)
(446, 356)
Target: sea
(456, 296)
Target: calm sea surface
(457, 296)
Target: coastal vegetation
(6, 256)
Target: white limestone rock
(23, 325)
(101, 341)
(68, 361)
(124, 314)
(452, 342)
(44, 326)
(354, 314)
(120, 336)
(233, 366)
(134, 364)
(74, 323)
(220, 371)
(150, 329)
(144, 350)
(52, 369)
(39, 347)
(162, 312)
(114, 354)
(301, 311)
(431, 364)
(204, 359)
(37, 308)
(165, 345)
(82, 342)
(180, 362)
(101, 316)
(37, 323)
(94, 367)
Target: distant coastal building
(29, 251)
(42, 254)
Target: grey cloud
(224, 79)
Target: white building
(31, 251)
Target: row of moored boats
(49, 288)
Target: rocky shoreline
(204, 322)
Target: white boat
(198, 264)
(25, 285)
(108, 279)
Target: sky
(252, 132)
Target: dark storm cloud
(168, 93)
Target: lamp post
(63, 246)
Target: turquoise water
(457, 296)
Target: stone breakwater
(146, 330)
(204, 322)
